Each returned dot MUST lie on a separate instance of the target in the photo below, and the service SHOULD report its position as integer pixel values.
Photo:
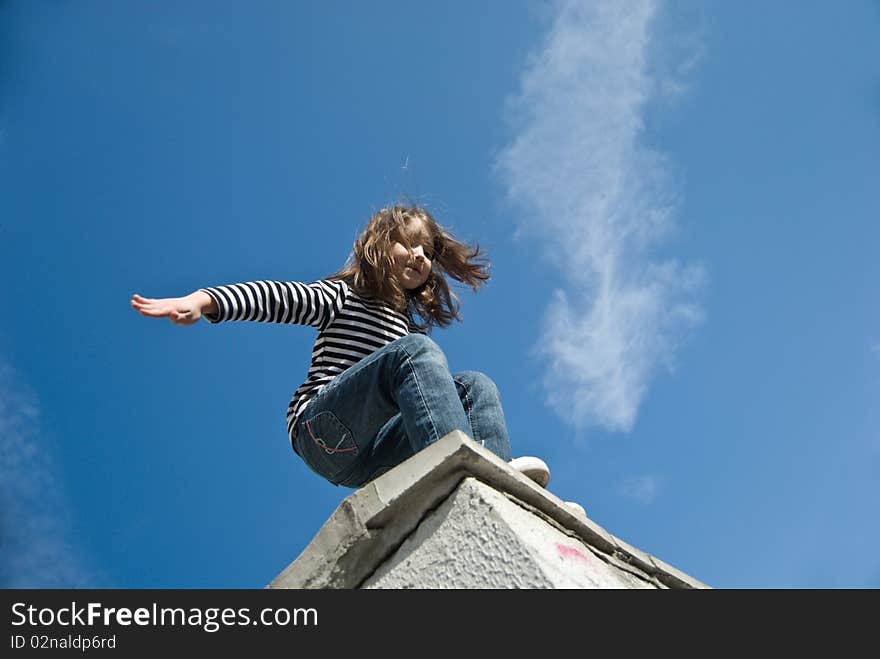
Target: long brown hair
(369, 269)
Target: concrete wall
(478, 538)
(457, 516)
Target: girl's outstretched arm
(179, 310)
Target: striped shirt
(350, 327)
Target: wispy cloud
(34, 548)
(597, 200)
(643, 489)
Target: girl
(378, 389)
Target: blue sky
(680, 201)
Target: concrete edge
(372, 522)
(675, 578)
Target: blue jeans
(392, 404)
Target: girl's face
(413, 266)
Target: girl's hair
(369, 269)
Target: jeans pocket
(328, 447)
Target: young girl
(378, 389)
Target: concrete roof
(457, 516)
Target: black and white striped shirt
(350, 327)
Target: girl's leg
(482, 404)
(340, 425)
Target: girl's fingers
(142, 299)
(153, 311)
(156, 308)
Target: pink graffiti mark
(570, 552)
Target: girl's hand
(179, 310)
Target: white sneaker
(534, 468)
(576, 508)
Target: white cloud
(643, 489)
(34, 547)
(596, 199)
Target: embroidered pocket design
(329, 447)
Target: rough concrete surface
(478, 538)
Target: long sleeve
(288, 302)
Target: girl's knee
(417, 344)
(478, 383)
(419, 351)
